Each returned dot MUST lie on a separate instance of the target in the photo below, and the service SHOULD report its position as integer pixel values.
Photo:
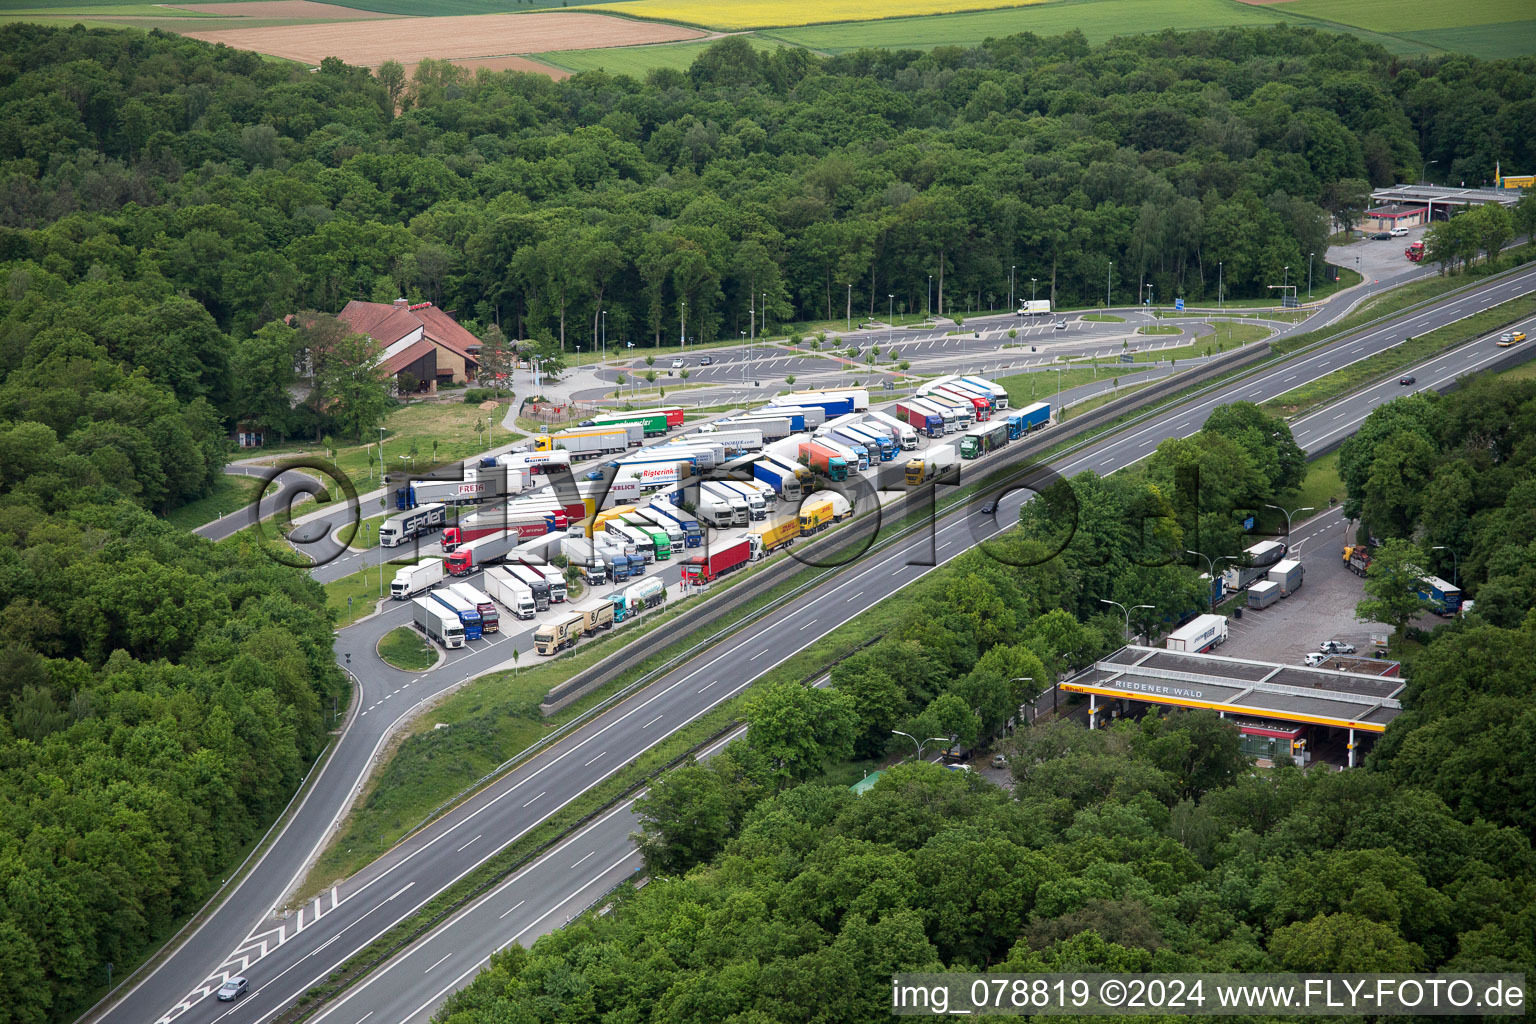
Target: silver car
(232, 989)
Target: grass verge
(1349, 378)
(352, 597)
(404, 649)
(1024, 388)
(1321, 483)
(230, 494)
(1160, 329)
(1102, 318)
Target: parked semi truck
(741, 512)
(469, 491)
(642, 541)
(999, 393)
(438, 623)
(921, 417)
(417, 522)
(776, 533)
(671, 416)
(793, 419)
(980, 408)
(490, 617)
(821, 510)
(962, 415)
(1199, 634)
(1263, 594)
(411, 580)
(1257, 560)
(469, 615)
(595, 615)
(769, 428)
(982, 439)
(512, 592)
(930, 465)
(721, 559)
(653, 522)
(535, 582)
(637, 597)
(900, 430)
(554, 637)
(810, 416)
(824, 460)
(580, 551)
(1032, 417)
(693, 534)
(585, 442)
(783, 477)
(854, 454)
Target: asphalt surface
(284, 957)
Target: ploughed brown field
(408, 40)
(285, 9)
(508, 63)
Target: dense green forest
(1148, 846)
(257, 189)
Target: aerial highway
(283, 958)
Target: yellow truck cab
(556, 636)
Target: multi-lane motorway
(284, 960)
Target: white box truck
(411, 580)
(511, 592)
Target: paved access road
(284, 961)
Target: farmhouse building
(420, 343)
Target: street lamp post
(1032, 283)
(1309, 275)
(1455, 563)
(1288, 515)
(682, 323)
(1107, 274)
(849, 310)
(1286, 283)
(1127, 612)
(1010, 288)
(1027, 679)
(1057, 370)
(920, 743)
(605, 335)
(930, 295)
(1219, 296)
(890, 310)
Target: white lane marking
(509, 910)
(582, 861)
(759, 654)
(652, 722)
(589, 764)
(444, 957)
(535, 798)
(467, 845)
(707, 685)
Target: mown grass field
(1024, 388)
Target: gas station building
(1284, 712)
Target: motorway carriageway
(284, 963)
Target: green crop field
(1484, 28)
(440, 8)
(1098, 19)
(636, 60)
(87, 9)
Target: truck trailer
(437, 622)
(821, 510)
(554, 637)
(411, 580)
(512, 592)
(921, 417)
(930, 465)
(469, 615)
(1199, 634)
(417, 522)
(1032, 417)
(999, 394)
(824, 460)
(776, 533)
(490, 617)
(637, 597)
(585, 442)
(900, 430)
(769, 428)
(671, 416)
(810, 416)
(781, 476)
(1288, 573)
(583, 553)
(595, 615)
(1263, 594)
(1442, 598)
(722, 559)
(535, 582)
(982, 439)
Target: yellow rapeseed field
(739, 14)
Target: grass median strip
(1356, 375)
(404, 648)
